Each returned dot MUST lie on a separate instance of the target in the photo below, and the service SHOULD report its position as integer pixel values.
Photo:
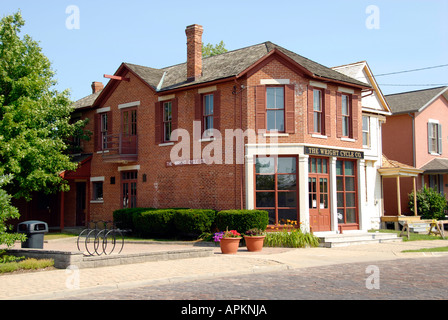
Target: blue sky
(410, 34)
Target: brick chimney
(194, 51)
(97, 86)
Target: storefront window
(276, 187)
(347, 197)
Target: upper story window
(103, 126)
(275, 109)
(208, 105)
(434, 137)
(317, 111)
(366, 131)
(346, 115)
(167, 121)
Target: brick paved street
(405, 279)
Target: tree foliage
(209, 50)
(34, 117)
(35, 123)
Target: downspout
(235, 92)
(413, 139)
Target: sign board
(338, 153)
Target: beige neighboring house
(374, 112)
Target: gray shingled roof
(437, 165)
(230, 64)
(413, 101)
(224, 66)
(86, 101)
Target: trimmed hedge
(242, 220)
(150, 222)
(194, 222)
(154, 223)
(123, 218)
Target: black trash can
(34, 231)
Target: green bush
(193, 222)
(295, 238)
(242, 220)
(430, 203)
(123, 218)
(154, 223)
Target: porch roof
(437, 165)
(392, 168)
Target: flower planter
(229, 245)
(254, 243)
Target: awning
(437, 165)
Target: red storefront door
(319, 194)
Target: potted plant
(228, 241)
(254, 239)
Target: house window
(317, 108)
(208, 115)
(275, 105)
(434, 138)
(97, 191)
(346, 191)
(276, 188)
(366, 131)
(103, 126)
(167, 121)
(345, 111)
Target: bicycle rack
(101, 237)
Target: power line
(420, 69)
(415, 85)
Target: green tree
(34, 117)
(209, 50)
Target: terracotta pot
(229, 245)
(254, 243)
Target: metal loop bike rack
(100, 237)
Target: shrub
(154, 223)
(430, 203)
(294, 238)
(242, 220)
(123, 218)
(194, 222)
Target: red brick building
(301, 159)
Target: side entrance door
(80, 203)
(319, 194)
(129, 189)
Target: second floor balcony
(120, 148)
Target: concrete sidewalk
(65, 283)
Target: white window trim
(97, 179)
(129, 168)
(165, 144)
(102, 110)
(129, 105)
(275, 81)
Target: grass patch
(58, 235)
(412, 236)
(440, 249)
(27, 264)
